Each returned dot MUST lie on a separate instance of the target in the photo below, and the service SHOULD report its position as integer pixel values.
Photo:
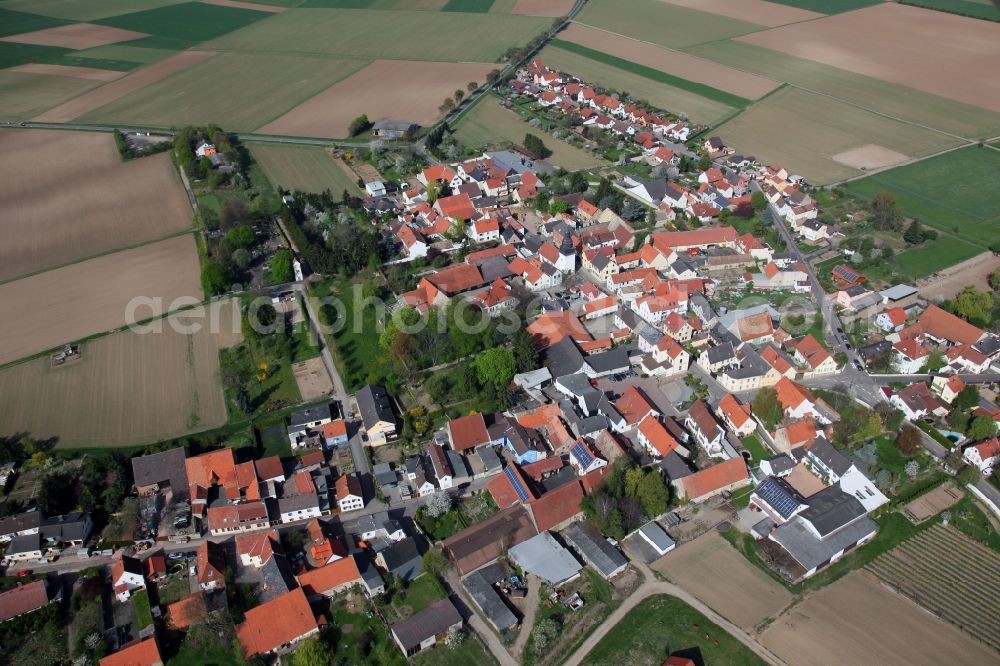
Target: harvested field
(272, 9)
(127, 388)
(489, 124)
(891, 99)
(76, 36)
(239, 91)
(932, 503)
(802, 132)
(973, 272)
(542, 7)
(699, 108)
(306, 168)
(376, 91)
(373, 33)
(716, 573)
(312, 379)
(672, 62)
(870, 156)
(89, 73)
(66, 304)
(889, 42)
(24, 95)
(65, 196)
(123, 86)
(857, 620)
(662, 23)
(952, 576)
(75, 10)
(754, 11)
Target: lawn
(967, 517)
(469, 653)
(888, 456)
(753, 444)
(954, 192)
(720, 96)
(355, 344)
(399, 35)
(867, 92)
(803, 132)
(239, 91)
(420, 594)
(359, 639)
(176, 587)
(489, 125)
(662, 23)
(143, 613)
(663, 625)
(667, 97)
(306, 168)
(935, 256)
(186, 23)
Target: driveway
(530, 609)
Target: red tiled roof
(332, 576)
(258, 545)
(213, 468)
(946, 326)
(188, 611)
(459, 205)
(138, 653)
(155, 565)
(696, 237)
(468, 432)
(456, 278)
(791, 394)
(557, 506)
(634, 405)
(22, 599)
(551, 327)
(269, 468)
(538, 469)
(802, 432)
(337, 428)
(276, 622)
(210, 563)
(812, 351)
(347, 484)
(661, 440)
(503, 492)
(734, 411)
(988, 448)
(715, 477)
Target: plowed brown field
(75, 36)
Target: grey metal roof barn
(434, 620)
(480, 587)
(595, 550)
(374, 405)
(546, 558)
(165, 467)
(657, 537)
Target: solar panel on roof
(777, 497)
(515, 481)
(582, 455)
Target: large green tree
(766, 406)
(496, 366)
(982, 427)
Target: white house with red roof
(736, 415)
(891, 320)
(984, 455)
(909, 356)
(656, 440)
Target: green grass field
(954, 192)
(306, 168)
(663, 625)
(190, 22)
(803, 131)
(662, 23)
(489, 125)
(882, 96)
(676, 100)
(474, 6)
(470, 651)
(829, 6)
(935, 256)
(15, 22)
(753, 444)
(982, 9)
(24, 95)
(79, 10)
(237, 91)
(369, 33)
(720, 96)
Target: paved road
(651, 587)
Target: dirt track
(98, 97)
(952, 280)
(679, 64)
(891, 42)
(65, 196)
(70, 303)
(406, 90)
